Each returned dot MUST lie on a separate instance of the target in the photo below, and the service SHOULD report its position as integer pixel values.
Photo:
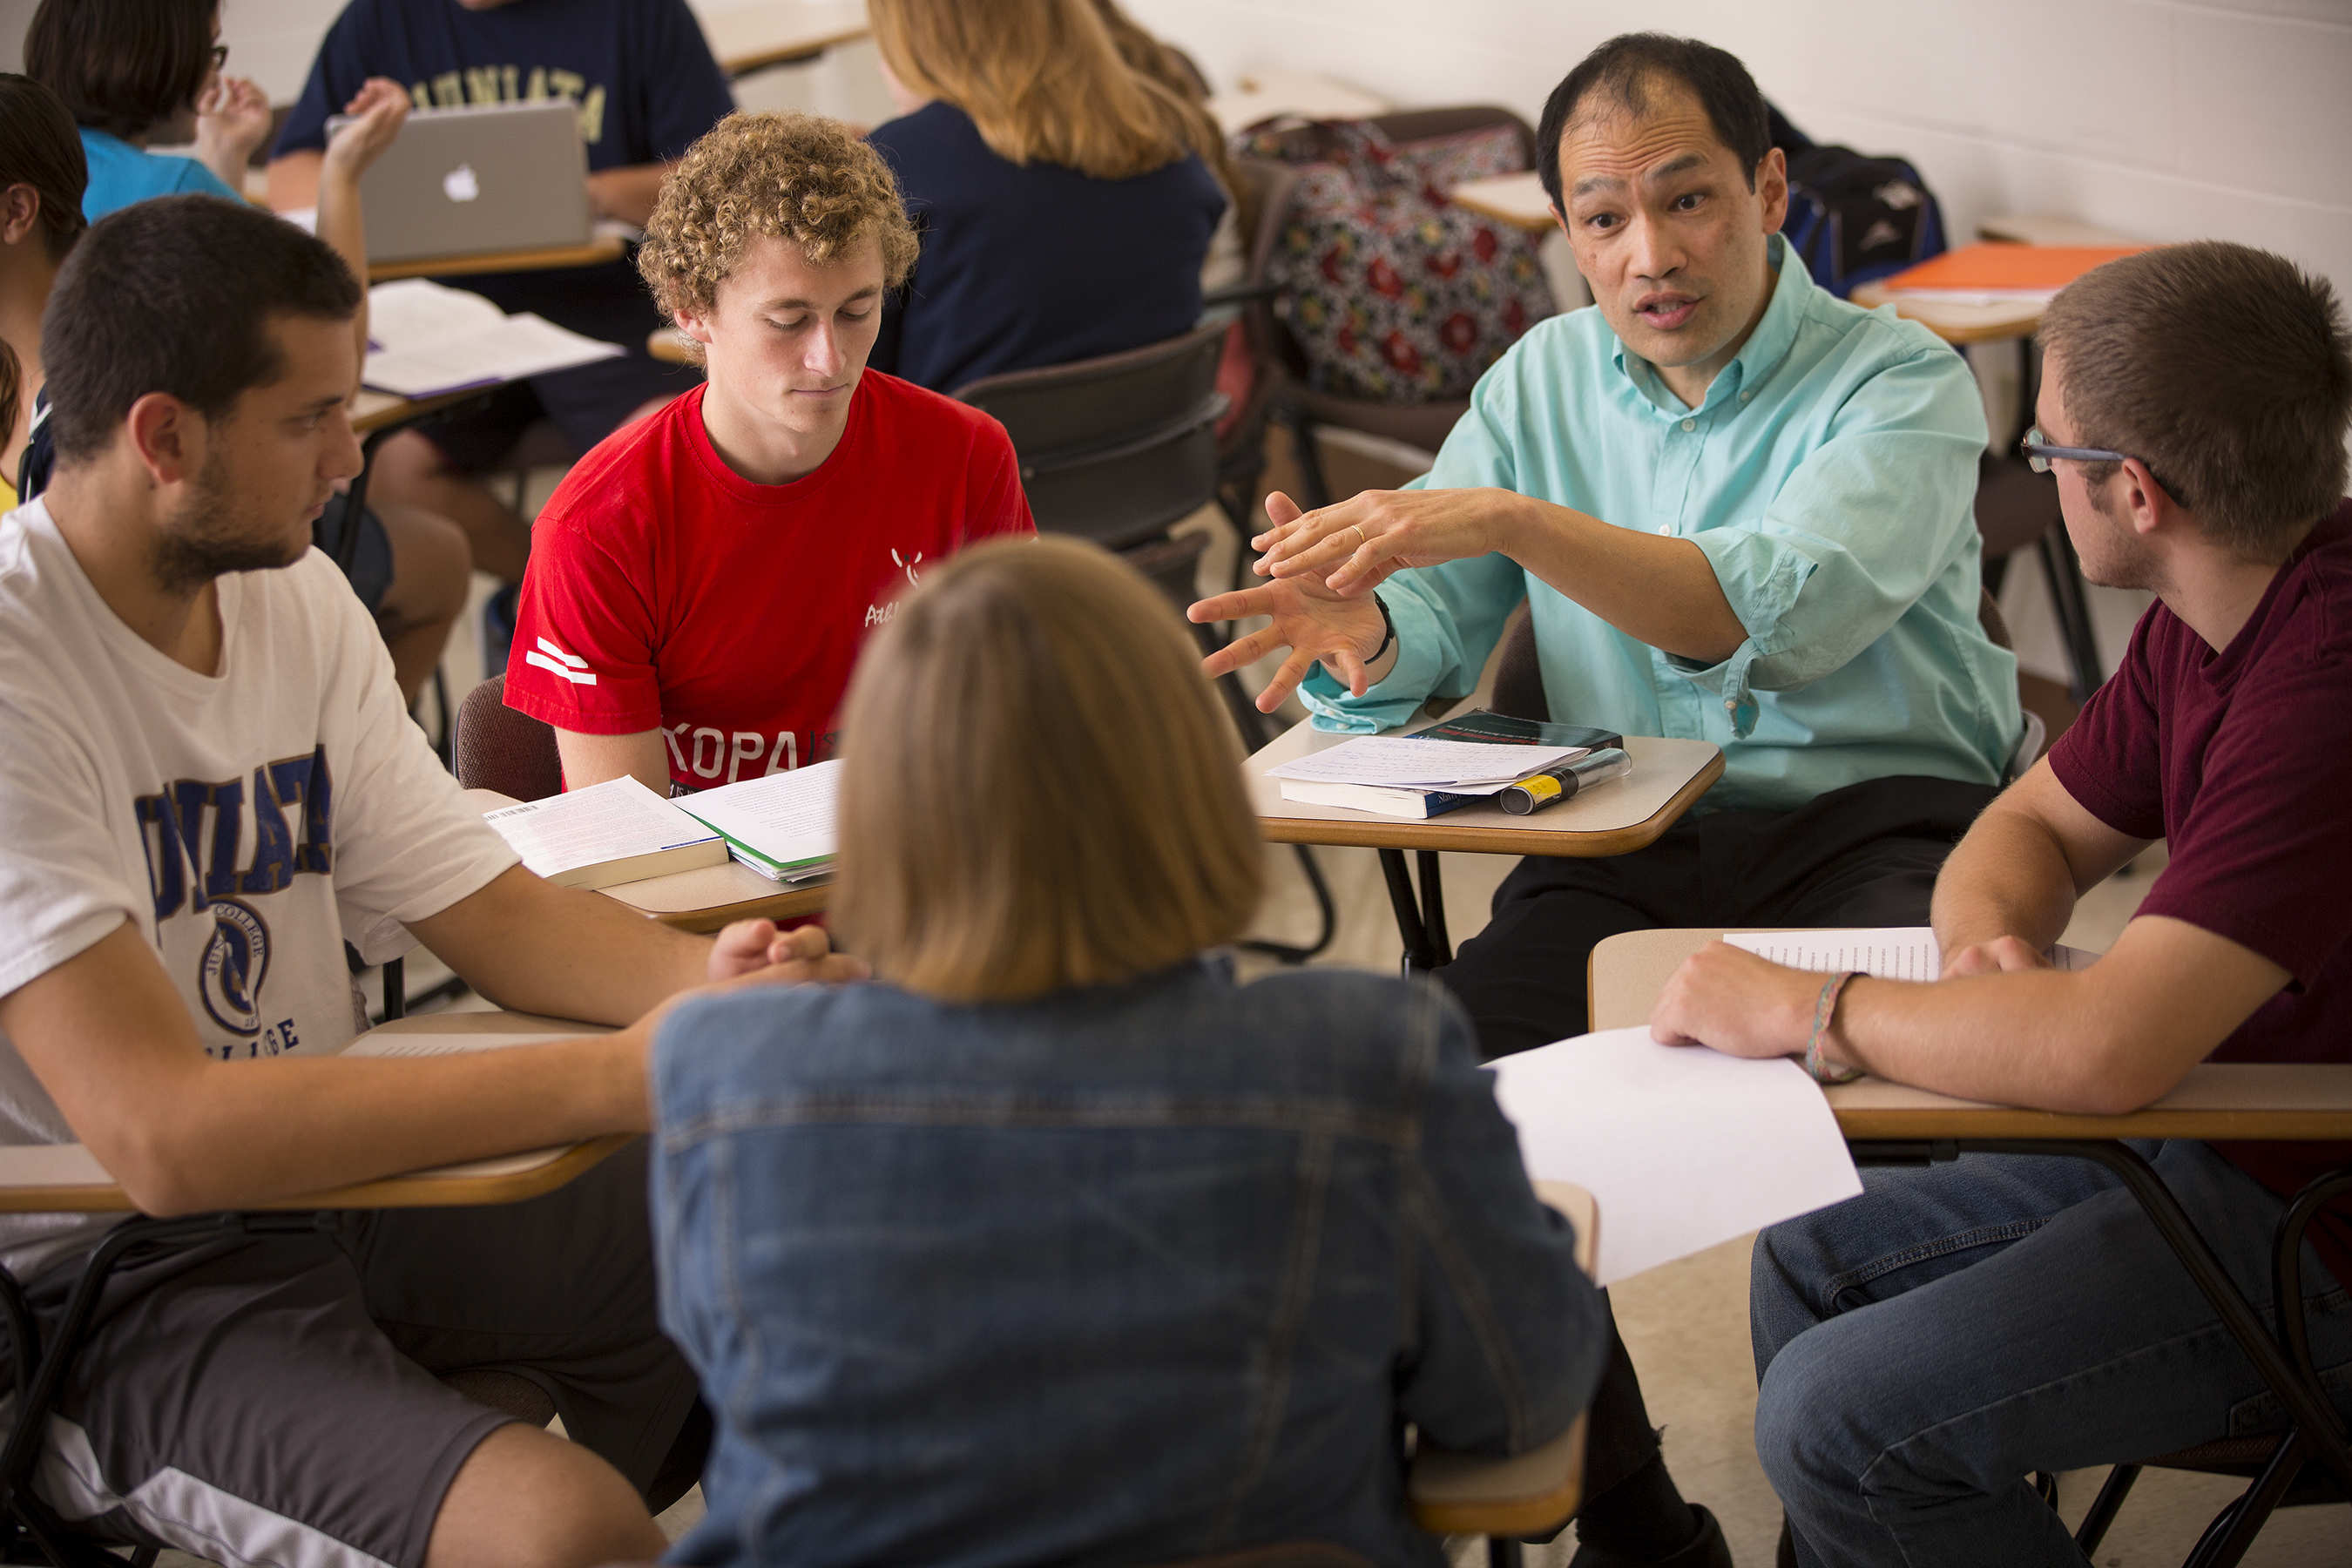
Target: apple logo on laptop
(460, 183)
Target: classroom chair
(497, 747)
(1299, 406)
(1118, 449)
(2277, 1466)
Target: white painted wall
(2165, 118)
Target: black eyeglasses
(2038, 453)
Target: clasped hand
(1323, 566)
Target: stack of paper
(1411, 776)
(617, 831)
(781, 826)
(426, 339)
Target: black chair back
(1119, 448)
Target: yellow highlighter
(1556, 785)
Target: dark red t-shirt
(665, 591)
(2238, 760)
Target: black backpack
(1852, 218)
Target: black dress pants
(1866, 855)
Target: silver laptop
(461, 182)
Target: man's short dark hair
(176, 295)
(122, 67)
(2225, 369)
(1621, 74)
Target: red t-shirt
(666, 591)
(2238, 758)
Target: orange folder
(2005, 270)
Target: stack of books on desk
(780, 826)
(1467, 759)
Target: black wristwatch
(1388, 637)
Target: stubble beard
(207, 538)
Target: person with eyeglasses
(135, 72)
(1956, 1328)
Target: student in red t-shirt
(1924, 1346)
(700, 583)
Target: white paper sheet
(786, 816)
(1682, 1147)
(1890, 953)
(615, 820)
(1408, 762)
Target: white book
(1886, 952)
(1412, 761)
(780, 824)
(426, 338)
(617, 831)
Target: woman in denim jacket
(1053, 1244)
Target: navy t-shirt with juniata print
(639, 69)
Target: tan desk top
(1957, 323)
(2217, 1099)
(66, 1178)
(705, 898)
(669, 345)
(1514, 199)
(747, 38)
(603, 247)
(1614, 819)
(372, 410)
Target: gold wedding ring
(1362, 538)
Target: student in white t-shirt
(207, 784)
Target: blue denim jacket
(1126, 1274)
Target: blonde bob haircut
(1038, 789)
(1042, 79)
(798, 177)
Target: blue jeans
(1924, 1347)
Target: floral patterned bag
(1392, 291)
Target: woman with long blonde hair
(1064, 207)
(1053, 1244)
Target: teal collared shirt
(1830, 476)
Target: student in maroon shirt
(1925, 1346)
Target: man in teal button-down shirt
(1742, 511)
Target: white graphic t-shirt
(245, 823)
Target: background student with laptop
(151, 63)
(132, 71)
(645, 87)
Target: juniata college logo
(235, 962)
(196, 833)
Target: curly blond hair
(797, 176)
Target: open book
(425, 339)
(781, 826)
(617, 831)
(1886, 952)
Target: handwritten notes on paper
(1682, 1147)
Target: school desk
(1889, 1123)
(1615, 819)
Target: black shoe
(1707, 1549)
(1785, 1556)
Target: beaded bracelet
(1387, 621)
(1823, 1011)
